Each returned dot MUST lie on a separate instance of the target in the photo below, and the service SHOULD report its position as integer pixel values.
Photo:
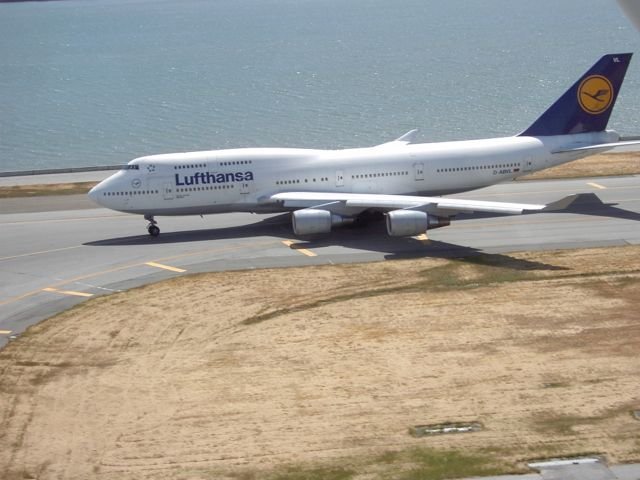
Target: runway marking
(596, 185)
(126, 266)
(111, 290)
(423, 238)
(58, 220)
(39, 253)
(5, 332)
(298, 248)
(216, 249)
(165, 267)
(67, 292)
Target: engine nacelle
(310, 220)
(408, 223)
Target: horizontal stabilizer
(601, 146)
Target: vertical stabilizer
(587, 105)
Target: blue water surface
(91, 82)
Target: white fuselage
(240, 179)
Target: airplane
(403, 180)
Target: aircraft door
(418, 170)
(339, 178)
(167, 191)
(244, 188)
(527, 164)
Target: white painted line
(39, 253)
(560, 463)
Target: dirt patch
(46, 189)
(252, 374)
(608, 164)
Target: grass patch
(471, 272)
(603, 165)
(328, 473)
(562, 424)
(467, 272)
(414, 463)
(555, 385)
(431, 464)
(46, 189)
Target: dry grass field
(608, 164)
(39, 190)
(319, 372)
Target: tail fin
(587, 105)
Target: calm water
(103, 81)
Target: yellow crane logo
(595, 94)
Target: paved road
(56, 252)
(55, 178)
(578, 471)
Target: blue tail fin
(587, 105)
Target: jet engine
(311, 220)
(407, 223)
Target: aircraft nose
(94, 193)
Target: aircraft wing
(355, 203)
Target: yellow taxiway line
(5, 332)
(596, 185)
(67, 292)
(165, 267)
(296, 246)
(423, 238)
(127, 266)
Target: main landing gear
(152, 228)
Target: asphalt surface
(58, 251)
(53, 178)
(575, 471)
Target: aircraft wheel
(153, 230)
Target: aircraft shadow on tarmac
(369, 238)
(585, 204)
(590, 204)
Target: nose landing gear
(152, 228)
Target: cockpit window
(131, 167)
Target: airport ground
(319, 372)
(325, 368)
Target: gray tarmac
(597, 470)
(53, 178)
(58, 251)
